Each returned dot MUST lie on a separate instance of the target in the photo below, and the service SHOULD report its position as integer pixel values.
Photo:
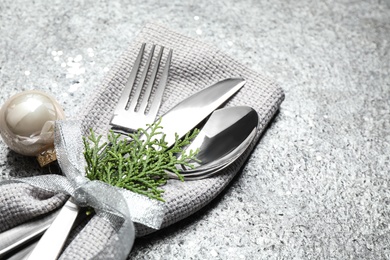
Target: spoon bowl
(197, 174)
(225, 136)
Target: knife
(179, 120)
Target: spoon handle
(50, 245)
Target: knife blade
(187, 114)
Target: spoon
(229, 158)
(225, 136)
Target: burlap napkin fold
(195, 66)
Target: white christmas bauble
(27, 122)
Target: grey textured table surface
(316, 186)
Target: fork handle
(50, 245)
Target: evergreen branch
(137, 165)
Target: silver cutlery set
(225, 133)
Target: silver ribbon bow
(111, 203)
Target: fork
(128, 117)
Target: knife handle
(15, 238)
(50, 245)
(24, 252)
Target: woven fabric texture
(195, 66)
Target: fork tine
(125, 118)
(161, 87)
(148, 89)
(134, 101)
(124, 99)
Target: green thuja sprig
(139, 165)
